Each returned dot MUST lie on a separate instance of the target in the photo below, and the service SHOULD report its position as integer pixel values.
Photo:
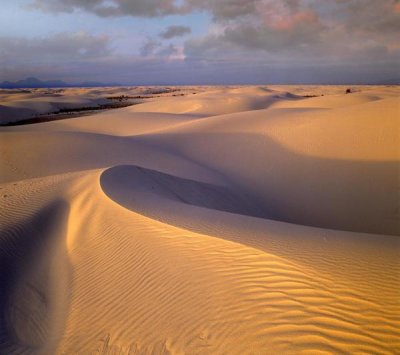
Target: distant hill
(37, 83)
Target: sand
(239, 220)
(27, 104)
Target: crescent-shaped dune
(244, 220)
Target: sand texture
(227, 220)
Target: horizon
(196, 42)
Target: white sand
(246, 220)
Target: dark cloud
(149, 8)
(224, 9)
(140, 8)
(175, 31)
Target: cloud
(224, 9)
(52, 56)
(375, 17)
(379, 19)
(366, 14)
(156, 49)
(60, 47)
(246, 38)
(297, 31)
(77, 57)
(150, 47)
(111, 8)
(175, 31)
(148, 8)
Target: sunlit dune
(226, 220)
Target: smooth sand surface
(239, 220)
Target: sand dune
(21, 104)
(238, 220)
(217, 102)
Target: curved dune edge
(155, 193)
(313, 268)
(177, 201)
(218, 211)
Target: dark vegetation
(149, 94)
(126, 97)
(94, 108)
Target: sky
(166, 42)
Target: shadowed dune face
(133, 186)
(30, 301)
(285, 186)
(341, 195)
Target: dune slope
(235, 221)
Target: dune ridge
(236, 221)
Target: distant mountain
(30, 83)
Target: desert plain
(200, 220)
